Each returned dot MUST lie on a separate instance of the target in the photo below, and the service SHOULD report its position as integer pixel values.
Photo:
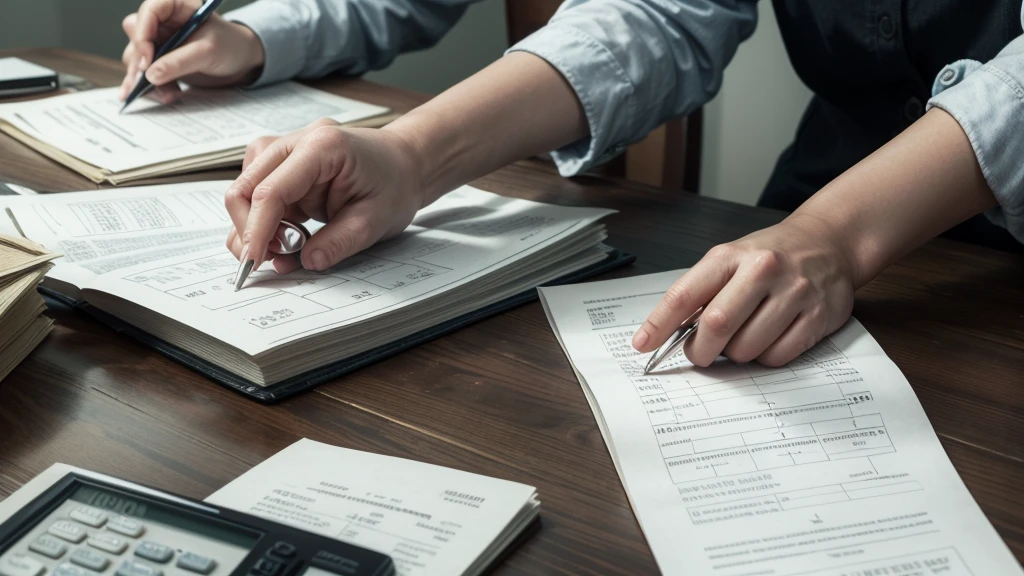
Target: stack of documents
(431, 520)
(204, 129)
(825, 467)
(22, 267)
(154, 258)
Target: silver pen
(289, 239)
(674, 342)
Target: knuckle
(677, 296)
(263, 193)
(767, 263)
(722, 252)
(324, 123)
(715, 321)
(801, 288)
(326, 136)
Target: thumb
(349, 232)
(190, 58)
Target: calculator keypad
(79, 540)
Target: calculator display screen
(165, 514)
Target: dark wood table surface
(499, 398)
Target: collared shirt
(633, 64)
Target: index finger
(693, 290)
(286, 185)
(147, 25)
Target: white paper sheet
(87, 125)
(162, 247)
(431, 520)
(825, 467)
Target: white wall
(753, 118)
(746, 125)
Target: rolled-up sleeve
(310, 38)
(988, 102)
(636, 63)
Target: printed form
(88, 125)
(825, 467)
(162, 247)
(431, 520)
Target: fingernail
(142, 63)
(245, 253)
(640, 338)
(319, 260)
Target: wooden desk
(499, 398)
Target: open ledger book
(153, 259)
(204, 129)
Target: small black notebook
(320, 375)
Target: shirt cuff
(600, 83)
(279, 27)
(989, 105)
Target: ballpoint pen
(179, 37)
(289, 239)
(674, 342)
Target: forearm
(923, 182)
(517, 107)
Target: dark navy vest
(871, 64)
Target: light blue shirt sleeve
(988, 102)
(636, 63)
(310, 38)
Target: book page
(162, 247)
(431, 520)
(103, 231)
(825, 467)
(88, 125)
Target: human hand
(219, 53)
(769, 296)
(361, 182)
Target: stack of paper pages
(22, 267)
(431, 520)
(827, 466)
(204, 129)
(155, 259)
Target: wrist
(252, 52)
(412, 134)
(841, 240)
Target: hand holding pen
(769, 297)
(172, 40)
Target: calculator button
(133, 568)
(20, 565)
(67, 530)
(266, 567)
(126, 527)
(67, 570)
(108, 543)
(89, 516)
(155, 552)
(88, 559)
(48, 546)
(196, 563)
(283, 550)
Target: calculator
(86, 526)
